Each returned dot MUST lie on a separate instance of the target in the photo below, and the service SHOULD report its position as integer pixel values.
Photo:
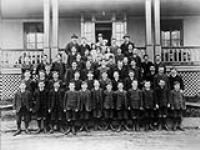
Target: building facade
(170, 28)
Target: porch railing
(15, 57)
(187, 55)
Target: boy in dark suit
(149, 105)
(97, 104)
(41, 107)
(177, 103)
(121, 104)
(108, 106)
(162, 100)
(135, 100)
(56, 106)
(85, 107)
(71, 108)
(22, 105)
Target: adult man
(114, 46)
(72, 43)
(126, 43)
(84, 46)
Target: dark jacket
(72, 100)
(69, 75)
(56, 99)
(60, 67)
(135, 98)
(108, 100)
(22, 99)
(115, 84)
(85, 100)
(128, 83)
(69, 47)
(146, 68)
(177, 100)
(90, 84)
(41, 98)
(97, 98)
(103, 83)
(163, 77)
(83, 48)
(30, 85)
(124, 47)
(174, 79)
(121, 100)
(148, 99)
(162, 96)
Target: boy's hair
(55, 72)
(84, 82)
(145, 56)
(27, 71)
(43, 71)
(134, 81)
(173, 68)
(147, 81)
(57, 82)
(41, 82)
(131, 71)
(109, 83)
(120, 82)
(77, 72)
(71, 82)
(176, 82)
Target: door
(105, 29)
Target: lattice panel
(191, 81)
(9, 85)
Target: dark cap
(74, 36)
(100, 35)
(126, 35)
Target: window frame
(178, 27)
(25, 33)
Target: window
(171, 33)
(33, 35)
(119, 30)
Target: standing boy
(97, 103)
(22, 105)
(121, 104)
(56, 107)
(71, 107)
(41, 107)
(149, 105)
(177, 102)
(85, 107)
(162, 100)
(108, 106)
(135, 100)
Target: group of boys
(85, 95)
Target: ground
(152, 140)
(104, 140)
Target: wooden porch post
(148, 15)
(55, 27)
(157, 27)
(46, 23)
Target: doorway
(105, 29)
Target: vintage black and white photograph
(100, 74)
